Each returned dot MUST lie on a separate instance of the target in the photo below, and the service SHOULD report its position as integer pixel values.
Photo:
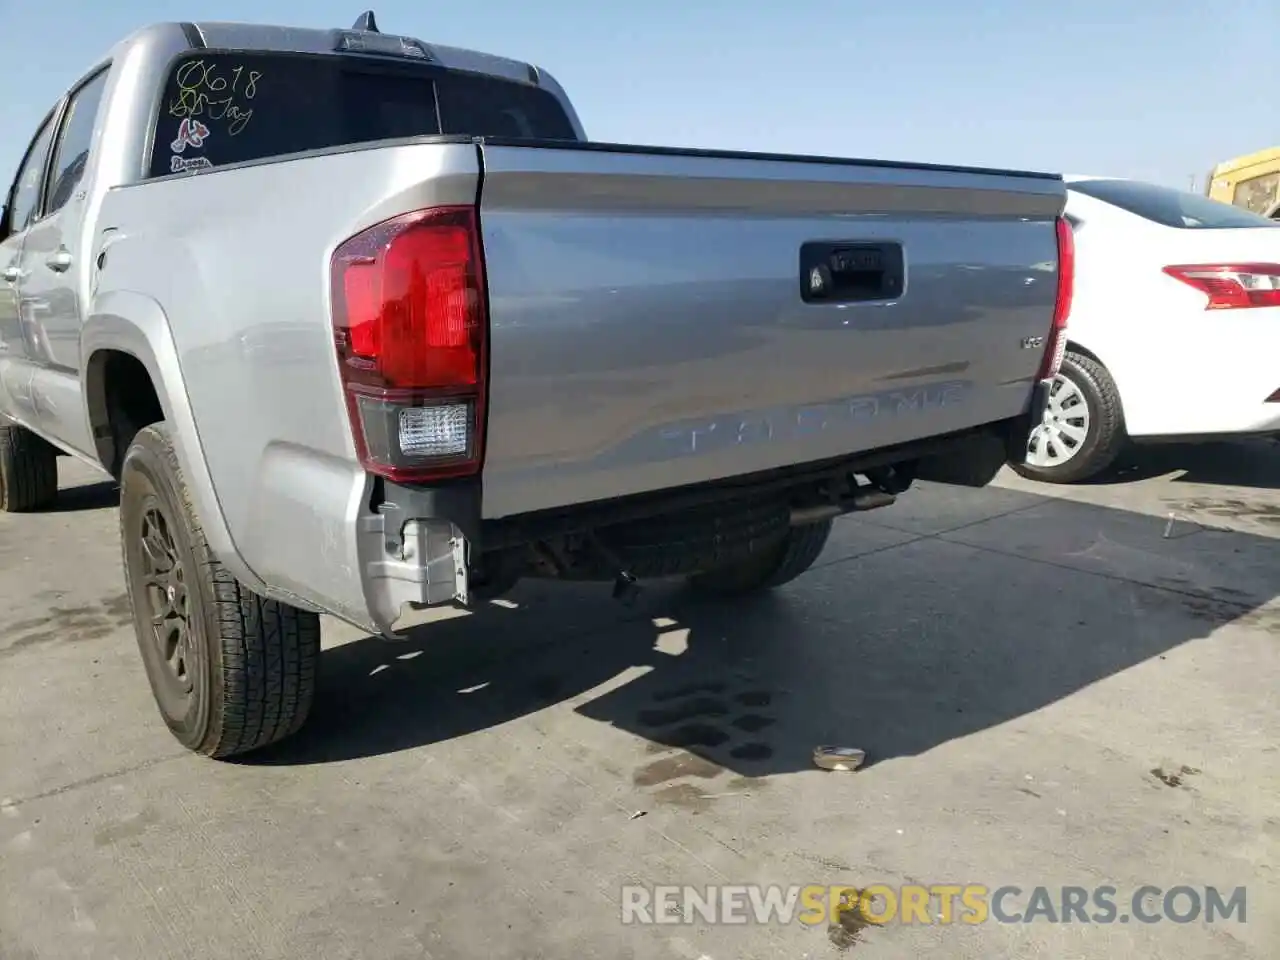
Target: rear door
(19, 347)
(55, 267)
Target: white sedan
(1174, 329)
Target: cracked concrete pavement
(1016, 662)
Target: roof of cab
(252, 36)
(267, 37)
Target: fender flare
(135, 324)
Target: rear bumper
(1212, 376)
(423, 544)
(1217, 420)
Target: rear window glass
(221, 108)
(482, 106)
(1172, 208)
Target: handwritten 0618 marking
(202, 92)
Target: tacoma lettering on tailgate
(782, 424)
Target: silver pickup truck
(362, 324)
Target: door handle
(60, 261)
(10, 274)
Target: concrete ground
(1016, 662)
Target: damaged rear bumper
(422, 546)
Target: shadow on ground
(1241, 463)
(102, 495)
(894, 647)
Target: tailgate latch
(851, 272)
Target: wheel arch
(119, 384)
(127, 335)
(1104, 422)
(1075, 346)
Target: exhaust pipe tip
(865, 499)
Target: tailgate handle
(851, 272)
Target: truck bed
(647, 328)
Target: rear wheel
(1082, 430)
(28, 470)
(231, 671)
(782, 564)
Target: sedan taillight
(1232, 286)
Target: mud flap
(976, 462)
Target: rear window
(479, 106)
(1169, 207)
(221, 108)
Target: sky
(1153, 89)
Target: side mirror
(4, 222)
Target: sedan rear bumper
(1220, 421)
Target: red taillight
(1232, 286)
(411, 330)
(1057, 345)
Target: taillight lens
(411, 331)
(1232, 286)
(1056, 348)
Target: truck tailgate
(650, 323)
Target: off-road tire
(791, 557)
(28, 470)
(253, 661)
(1106, 437)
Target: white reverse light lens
(437, 431)
(1259, 281)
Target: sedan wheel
(1082, 429)
(1063, 429)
